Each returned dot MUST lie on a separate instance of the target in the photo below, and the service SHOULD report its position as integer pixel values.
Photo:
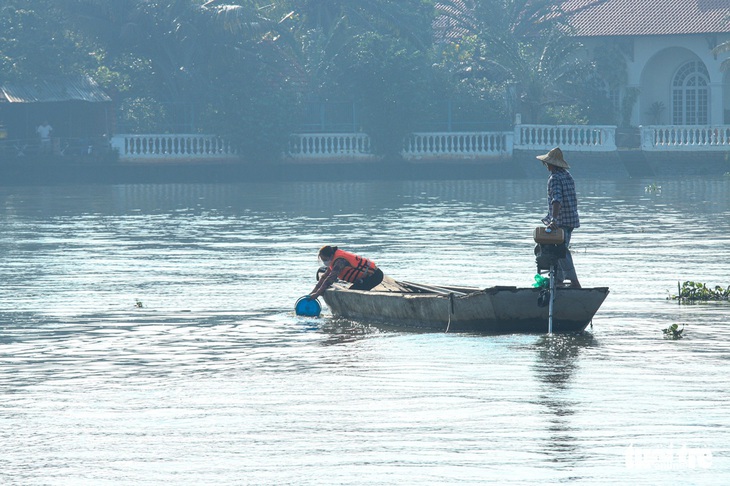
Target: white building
(669, 52)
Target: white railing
(457, 145)
(585, 138)
(435, 146)
(685, 138)
(330, 146)
(179, 146)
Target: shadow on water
(557, 362)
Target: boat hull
(496, 310)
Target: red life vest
(359, 268)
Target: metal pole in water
(552, 299)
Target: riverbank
(522, 165)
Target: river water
(147, 336)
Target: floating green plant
(653, 187)
(699, 292)
(673, 332)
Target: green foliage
(723, 48)
(35, 45)
(593, 105)
(631, 95)
(473, 99)
(653, 188)
(673, 332)
(569, 114)
(390, 81)
(142, 115)
(690, 292)
(610, 63)
(655, 112)
(251, 103)
(178, 65)
(523, 49)
(243, 67)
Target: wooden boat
(494, 310)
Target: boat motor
(547, 255)
(549, 250)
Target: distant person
(361, 272)
(44, 132)
(3, 137)
(562, 209)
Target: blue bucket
(308, 307)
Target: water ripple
(147, 335)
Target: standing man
(44, 132)
(562, 209)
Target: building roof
(649, 17)
(75, 88)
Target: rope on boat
(451, 310)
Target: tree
(524, 49)
(373, 53)
(34, 45)
(327, 31)
(721, 49)
(391, 84)
(227, 61)
(407, 19)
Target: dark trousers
(368, 282)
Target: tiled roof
(76, 88)
(649, 17)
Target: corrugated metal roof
(649, 17)
(76, 88)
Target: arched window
(690, 95)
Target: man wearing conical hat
(562, 209)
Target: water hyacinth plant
(690, 292)
(653, 188)
(673, 332)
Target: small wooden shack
(79, 111)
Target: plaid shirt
(561, 188)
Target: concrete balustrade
(685, 138)
(330, 145)
(457, 145)
(177, 146)
(584, 138)
(435, 146)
